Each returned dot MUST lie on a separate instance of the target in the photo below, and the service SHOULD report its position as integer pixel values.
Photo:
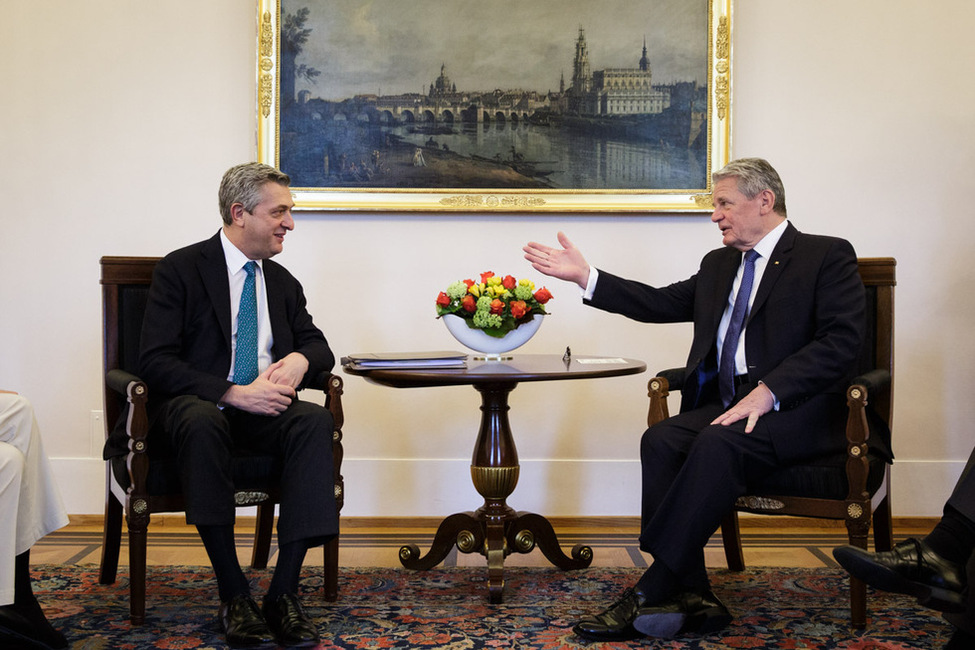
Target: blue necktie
(726, 373)
(245, 359)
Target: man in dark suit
(764, 389)
(226, 344)
(936, 569)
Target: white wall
(118, 119)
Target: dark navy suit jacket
(802, 338)
(186, 335)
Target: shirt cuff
(775, 400)
(591, 283)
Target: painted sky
(398, 46)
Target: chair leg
(111, 539)
(883, 526)
(731, 537)
(332, 570)
(137, 576)
(858, 531)
(263, 527)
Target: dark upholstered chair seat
(823, 478)
(251, 473)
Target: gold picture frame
(304, 135)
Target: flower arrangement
(496, 305)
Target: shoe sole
(880, 577)
(708, 621)
(662, 625)
(626, 635)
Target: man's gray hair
(754, 175)
(244, 184)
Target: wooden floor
(768, 541)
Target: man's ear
(768, 200)
(237, 213)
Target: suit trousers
(204, 438)
(692, 474)
(30, 503)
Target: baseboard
(912, 524)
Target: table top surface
(514, 369)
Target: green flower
(457, 290)
(485, 319)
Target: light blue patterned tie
(726, 373)
(245, 359)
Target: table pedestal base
(495, 535)
(494, 529)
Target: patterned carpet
(448, 608)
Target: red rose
(486, 275)
(497, 307)
(468, 283)
(469, 303)
(543, 295)
(519, 308)
(443, 299)
(509, 282)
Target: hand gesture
(566, 263)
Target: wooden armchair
(141, 484)
(853, 487)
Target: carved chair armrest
(136, 426)
(333, 387)
(873, 380)
(658, 388)
(119, 380)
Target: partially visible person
(933, 569)
(30, 508)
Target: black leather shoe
(705, 613)
(688, 612)
(289, 622)
(20, 631)
(243, 624)
(616, 622)
(911, 568)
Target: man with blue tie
(226, 344)
(778, 323)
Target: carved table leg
(529, 529)
(462, 529)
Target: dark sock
(953, 538)
(27, 606)
(658, 583)
(222, 551)
(287, 570)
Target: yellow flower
(474, 290)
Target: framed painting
(617, 106)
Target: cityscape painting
(494, 105)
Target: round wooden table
(495, 529)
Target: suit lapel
(774, 267)
(724, 280)
(273, 281)
(213, 271)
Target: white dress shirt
(236, 275)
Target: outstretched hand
(566, 263)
